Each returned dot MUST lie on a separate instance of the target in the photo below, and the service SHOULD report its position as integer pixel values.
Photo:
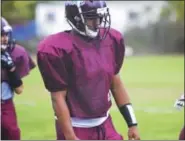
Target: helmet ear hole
(79, 23)
(77, 18)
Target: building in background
(50, 17)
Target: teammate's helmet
(77, 12)
(6, 29)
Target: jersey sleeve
(53, 71)
(31, 63)
(119, 53)
(24, 64)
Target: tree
(174, 7)
(18, 11)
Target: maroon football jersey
(22, 60)
(85, 69)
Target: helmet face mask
(81, 13)
(4, 41)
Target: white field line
(114, 108)
(27, 103)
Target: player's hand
(77, 138)
(133, 133)
(72, 138)
(6, 61)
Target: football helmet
(79, 12)
(179, 103)
(6, 30)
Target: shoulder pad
(115, 34)
(18, 50)
(18, 53)
(56, 42)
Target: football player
(79, 67)
(179, 104)
(15, 64)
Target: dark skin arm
(8, 63)
(119, 92)
(121, 98)
(62, 112)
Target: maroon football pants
(106, 131)
(9, 125)
(181, 136)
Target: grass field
(153, 82)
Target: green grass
(153, 83)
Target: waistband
(6, 101)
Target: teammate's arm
(14, 78)
(62, 112)
(18, 89)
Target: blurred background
(153, 71)
(147, 26)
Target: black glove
(6, 61)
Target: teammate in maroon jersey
(15, 64)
